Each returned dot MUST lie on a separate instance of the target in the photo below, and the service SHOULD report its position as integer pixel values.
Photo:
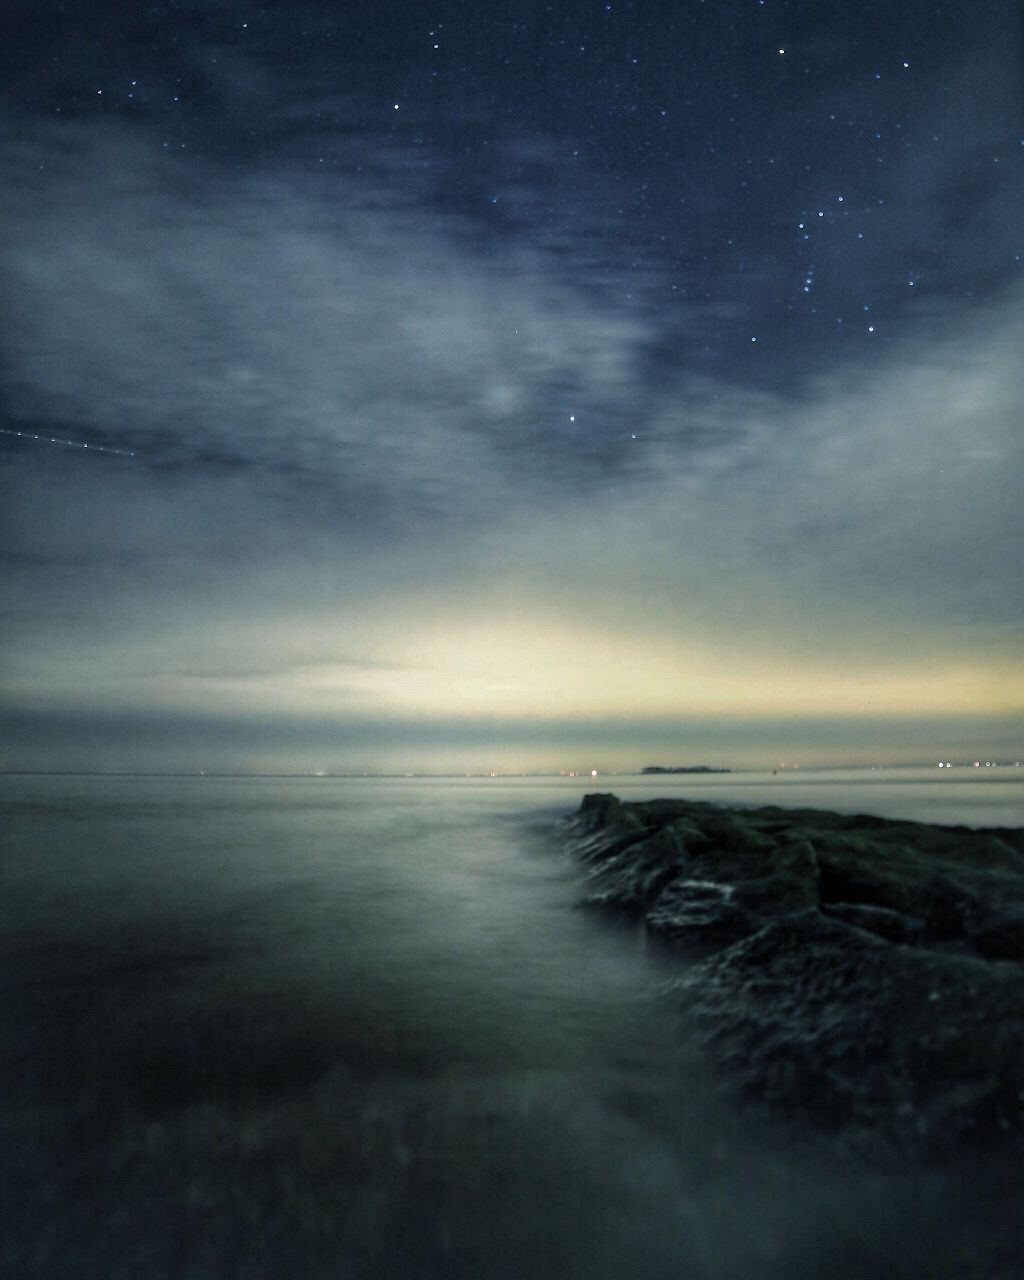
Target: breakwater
(858, 972)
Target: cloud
(380, 469)
(876, 506)
(328, 340)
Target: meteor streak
(70, 444)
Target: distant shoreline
(681, 768)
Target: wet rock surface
(855, 971)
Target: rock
(891, 925)
(1000, 936)
(701, 912)
(967, 887)
(857, 971)
(819, 1017)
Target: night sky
(440, 386)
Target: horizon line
(580, 775)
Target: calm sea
(358, 1028)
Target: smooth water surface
(359, 1028)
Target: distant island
(682, 768)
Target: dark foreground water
(258, 1028)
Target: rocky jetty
(858, 972)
